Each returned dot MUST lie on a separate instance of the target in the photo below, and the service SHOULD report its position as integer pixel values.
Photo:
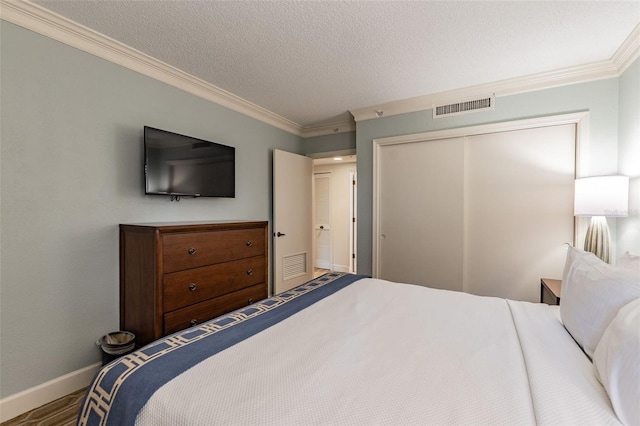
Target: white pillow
(573, 254)
(629, 261)
(592, 294)
(617, 362)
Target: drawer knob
(250, 301)
(192, 286)
(192, 251)
(249, 243)
(193, 322)
(250, 272)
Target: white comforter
(395, 354)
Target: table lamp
(599, 197)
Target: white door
(518, 210)
(322, 220)
(420, 213)
(292, 220)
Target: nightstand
(550, 291)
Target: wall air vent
(465, 107)
(294, 265)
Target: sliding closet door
(486, 213)
(420, 213)
(518, 196)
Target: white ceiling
(312, 62)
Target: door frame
(353, 229)
(580, 119)
(353, 200)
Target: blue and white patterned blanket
(121, 389)
(344, 349)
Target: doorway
(334, 207)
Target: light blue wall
(600, 98)
(71, 171)
(329, 143)
(628, 228)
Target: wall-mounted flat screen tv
(179, 165)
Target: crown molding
(40, 20)
(619, 62)
(628, 52)
(579, 74)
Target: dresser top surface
(217, 224)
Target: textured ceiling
(313, 61)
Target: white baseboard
(341, 268)
(21, 402)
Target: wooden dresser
(177, 274)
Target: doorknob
(280, 234)
(321, 226)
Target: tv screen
(179, 165)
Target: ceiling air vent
(465, 107)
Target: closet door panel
(518, 196)
(420, 212)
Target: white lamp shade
(602, 196)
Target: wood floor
(317, 272)
(61, 412)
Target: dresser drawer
(185, 288)
(190, 250)
(203, 311)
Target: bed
(348, 349)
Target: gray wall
(600, 98)
(71, 171)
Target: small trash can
(116, 344)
